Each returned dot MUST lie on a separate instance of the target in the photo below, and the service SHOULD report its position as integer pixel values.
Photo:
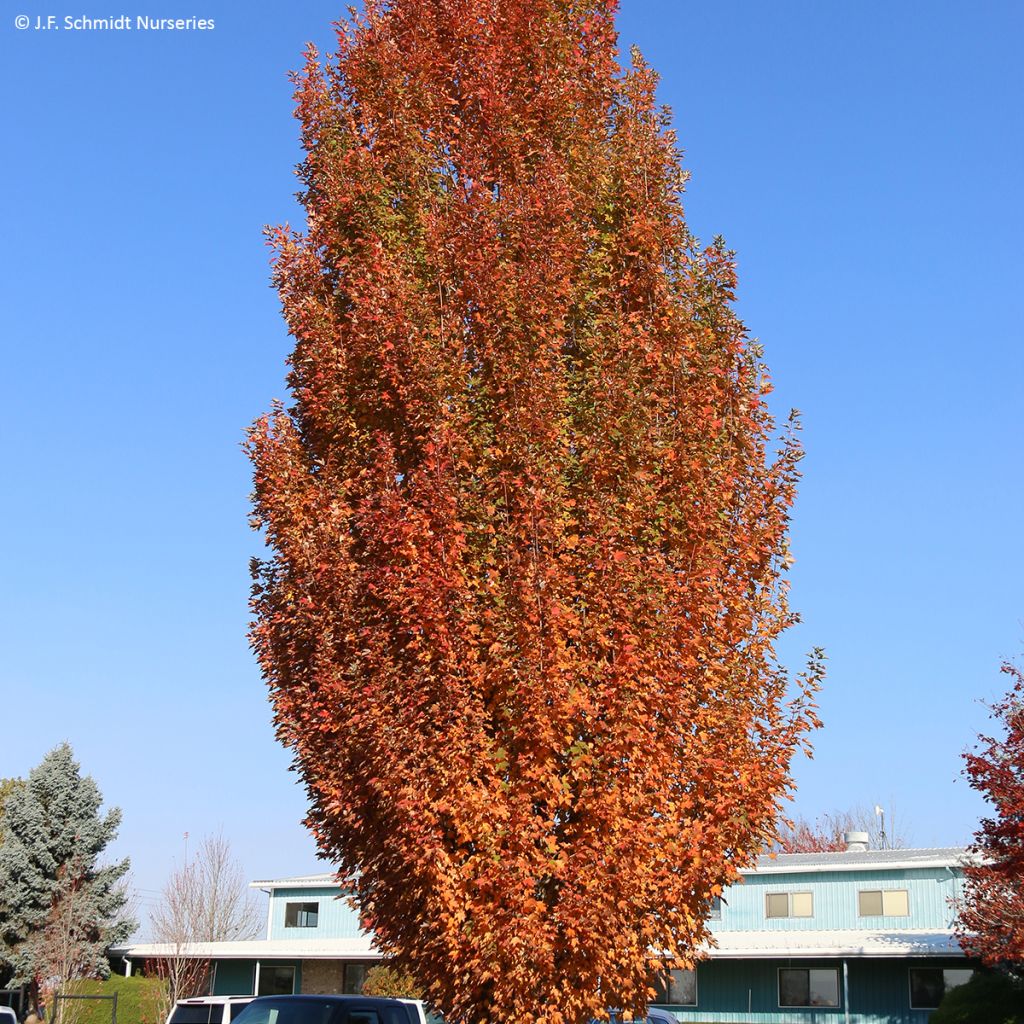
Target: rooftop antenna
(880, 814)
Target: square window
(803, 905)
(301, 915)
(778, 904)
(824, 988)
(956, 977)
(715, 910)
(929, 984)
(895, 903)
(353, 978)
(869, 903)
(276, 981)
(680, 990)
(802, 987)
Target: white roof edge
(326, 881)
(832, 943)
(256, 949)
(823, 952)
(890, 865)
(764, 945)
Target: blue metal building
(858, 937)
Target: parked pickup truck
(331, 1010)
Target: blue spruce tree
(59, 908)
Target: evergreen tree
(59, 909)
(7, 787)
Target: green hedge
(138, 1001)
(985, 999)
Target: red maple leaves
(991, 919)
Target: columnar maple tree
(527, 529)
(991, 918)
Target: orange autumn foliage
(527, 539)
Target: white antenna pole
(880, 813)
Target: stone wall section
(323, 977)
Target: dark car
(329, 1010)
(654, 1016)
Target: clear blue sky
(864, 159)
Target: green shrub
(383, 980)
(988, 998)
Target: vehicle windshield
(197, 1013)
(290, 1011)
(310, 1010)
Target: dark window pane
(276, 981)
(824, 988)
(203, 1013)
(362, 1017)
(715, 911)
(355, 975)
(794, 987)
(778, 904)
(236, 1009)
(926, 988)
(956, 977)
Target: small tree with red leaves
(527, 515)
(991, 918)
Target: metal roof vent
(856, 842)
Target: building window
(353, 978)
(677, 988)
(715, 910)
(801, 987)
(301, 915)
(789, 904)
(276, 981)
(929, 984)
(883, 903)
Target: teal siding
(335, 918)
(233, 977)
(879, 992)
(737, 991)
(930, 891)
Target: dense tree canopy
(991, 920)
(59, 907)
(527, 528)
